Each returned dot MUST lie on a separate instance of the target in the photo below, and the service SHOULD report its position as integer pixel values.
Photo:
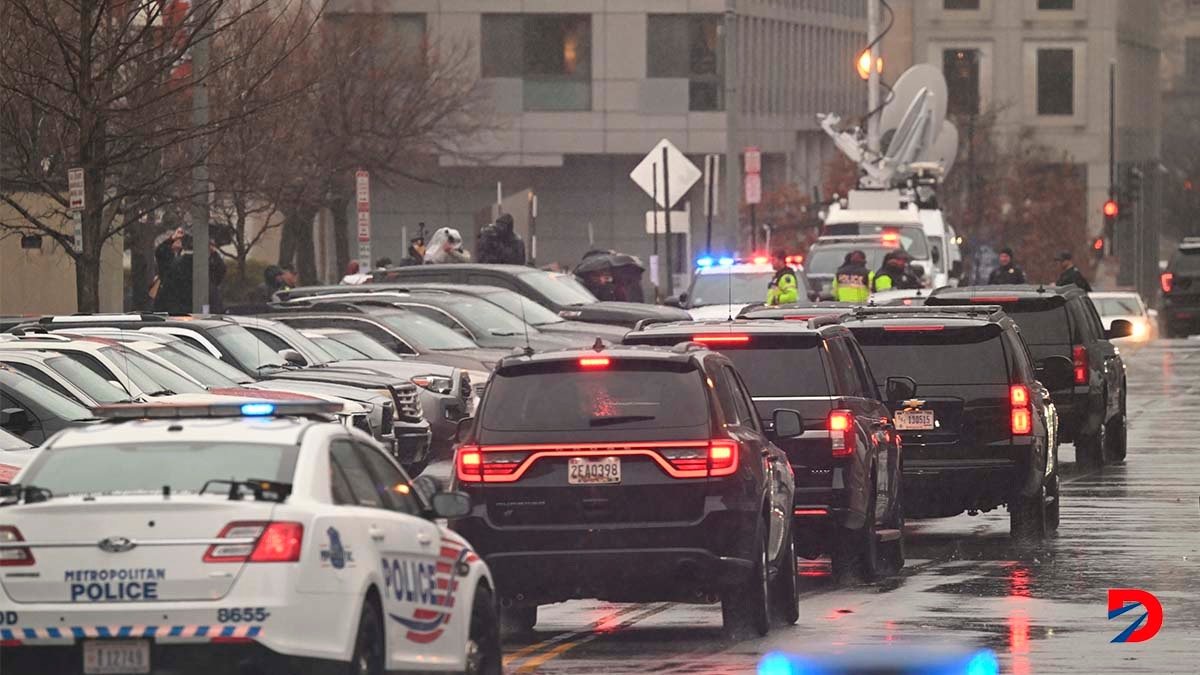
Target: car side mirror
(900, 388)
(293, 357)
(463, 429)
(1056, 372)
(1120, 328)
(673, 301)
(451, 504)
(956, 269)
(786, 423)
(427, 486)
(935, 254)
(15, 419)
(918, 270)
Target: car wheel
(518, 619)
(1089, 450)
(483, 643)
(892, 552)
(746, 609)
(856, 552)
(1053, 510)
(787, 590)
(369, 646)
(1117, 436)
(1027, 517)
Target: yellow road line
(529, 649)
(583, 638)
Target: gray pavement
(1043, 609)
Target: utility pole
(667, 213)
(200, 172)
(873, 77)
(732, 166)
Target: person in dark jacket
(174, 257)
(852, 281)
(1007, 272)
(499, 244)
(1070, 273)
(275, 278)
(895, 273)
(416, 252)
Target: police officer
(783, 288)
(895, 273)
(1007, 272)
(852, 282)
(1070, 273)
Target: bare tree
(105, 85)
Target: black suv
(1180, 314)
(977, 433)
(630, 474)
(847, 462)
(1062, 321)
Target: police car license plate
(102, 657)
(914, 420)
(588, 471)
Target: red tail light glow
(1167, 281)
(273, 542)
(594, 362)
(14, 557)
(1080, 356)
(841, 432)
(1022, 410)
(721, 339)
(678, 459)
(810, 512)
(1018, 395)
(761, 260)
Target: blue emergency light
(726, 262)
(258, 409)
(704, 262)
(893, 659)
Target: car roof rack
(84, 317)
(934, 310)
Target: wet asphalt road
(1042, 610)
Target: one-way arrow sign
(682, 176)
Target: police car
(244, 538)
(722, 286)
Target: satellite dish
(908, 134)
(906, 90)
(944, 147)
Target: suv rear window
(1041, 325)
(781, 368)
(973, 355)
(559, 397)
(1186, 261)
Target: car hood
(588, 331)
(408, 368)
(622, 313)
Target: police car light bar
(132, 411)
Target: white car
(722, 287)
(212, 537)
(1126, 305)
(14, 454)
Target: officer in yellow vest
(852, 282)
(783, 288)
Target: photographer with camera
(174, 257)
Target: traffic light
(1098, 247)
(1111, 209)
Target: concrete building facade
(583, 89)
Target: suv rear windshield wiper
(619, 419)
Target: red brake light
(1167, 281)
(761, 260)
(1022, 411)
(1022, 422)
(1018, 395)
(794, 259)
(272, 542)
(469, 464)
(721, 339)
(14, 557)
(722, 457)
(841, 432)
(913, 328)
(1080, 357)
(594, 362)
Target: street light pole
(200, 171)
(873, 76)
(732, 168)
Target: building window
(1191, 61)
(404, 31)
(688, 46)
(1055, 82)
(961, 69)
(1055, 5)
(551, 53)
(960, 4)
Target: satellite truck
(896, 196)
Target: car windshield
(738, 288)
(357, 343)
(425, 332)
(150, 377)
(787, 368)
(483, 318)
(954, 356)
(561, 289)
(1118, 306)
(339, 351)
(520, 306)
(254, 354)
(826, 260)
(198, 369)
(24, 387)
(624, 398)
(912, 237)
(90, 382)
(149, 467)
(10, 442)
(312, 352)
(207, 360)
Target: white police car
(722, 287)
(245, 538)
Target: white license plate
(914, 420)
(105, 657)
(588, 471)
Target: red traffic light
(1098, 244)
(1111, 209)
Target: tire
(370, 644)
(1054, 508)
(746, 610)
(856, 552)
(1089, 450)
(1117, 444)
(786, 598)
(1027, 518)
(484, 655)
(518, 619)
(892, 552)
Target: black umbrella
(602, 261)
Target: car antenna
(528, 351)
(729, 285)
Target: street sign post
(77, 202)
(752, 184)
(712, 177)
(362, 200)
(678, 175)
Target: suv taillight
(274, 541)
(20, 556)
(1022, 410)
(1167, 281)
(1080, 358)
(841, 432)
(474, 465)
(683, 459)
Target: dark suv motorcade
(1062, 321)
(1180, 281)
(847, 462)
(631, 474)
(976, 432)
